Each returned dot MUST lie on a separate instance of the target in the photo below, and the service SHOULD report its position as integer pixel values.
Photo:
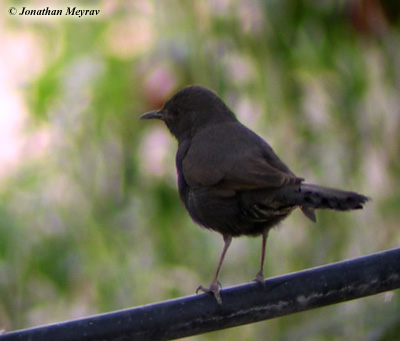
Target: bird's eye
(175, 112)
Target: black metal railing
(243, 304)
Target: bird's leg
(260, 273)
(215, 284)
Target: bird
(230, 180)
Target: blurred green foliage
(94, 223)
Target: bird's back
(221, 171)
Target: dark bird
(230, 180)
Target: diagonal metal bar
(248, 303)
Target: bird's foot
(214, 288)
(259, 277)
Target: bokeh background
(90, 219)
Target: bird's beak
(152, 114)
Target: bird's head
(190, 110)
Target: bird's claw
(214, 288)
(259, 277)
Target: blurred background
(90, 219)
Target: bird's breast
(214, 211)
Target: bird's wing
(234, 158)
(254, 172)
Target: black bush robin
(230, 180)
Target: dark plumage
(230, 180)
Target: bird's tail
(315, 196)
(310, 197)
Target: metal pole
(242, 304)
